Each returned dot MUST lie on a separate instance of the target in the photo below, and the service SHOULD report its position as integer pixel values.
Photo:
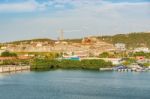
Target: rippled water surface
(75, 84)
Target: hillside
(131, 40)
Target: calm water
(75, 84)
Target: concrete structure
(120, 46)
(11, 68)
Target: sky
(28, 19)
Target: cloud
(107, 10)
(58, 5)
(24, 6)
(78, 18)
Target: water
(75, 84)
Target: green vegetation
(15, 62)
(128, 61)
(69, 64)
(147, 55)
(73, 40)
(113, 55)
(44, 55)
(132, 40)
(9, 62)
(8, 54)
(104, 55)
(146, 64)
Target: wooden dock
(11, 68)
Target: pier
(123, 70)
(105, 69)
(11, 68)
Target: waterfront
(75, 84)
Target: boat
(136, 67)
(120, 68)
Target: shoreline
(13, 68)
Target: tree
(8, 54)
(140, 54)
(104, 55)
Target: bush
(69, 64)
(8, 54)
(104, 55)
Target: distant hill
(33, 40)
(73, 40)
(131, 40)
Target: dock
(123, 70)
(105, 69)
(12, 68)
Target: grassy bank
(45, 64)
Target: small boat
(120, 68)
(136, 67)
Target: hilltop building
(120, 46)
(89, 40)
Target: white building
(39, 45)
(142, 49)
(120, 46)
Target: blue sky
(26, 19)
